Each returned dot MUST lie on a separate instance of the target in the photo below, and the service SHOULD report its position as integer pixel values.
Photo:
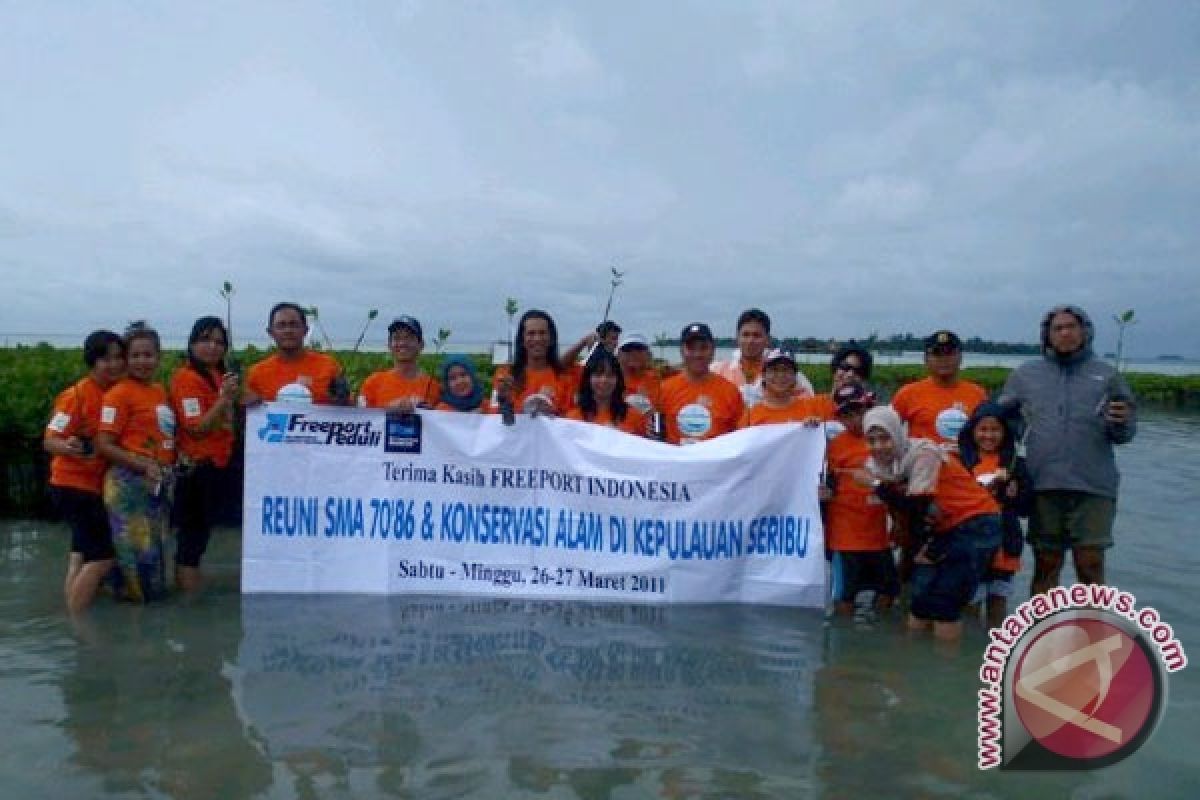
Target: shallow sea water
(228, 696)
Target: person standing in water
(1076, 408)
(77, 472)
(203, 394)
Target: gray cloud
(849, 167)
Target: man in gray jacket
(1076, 407)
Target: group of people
(935, 474)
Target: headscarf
(459, 402)
(917, 461)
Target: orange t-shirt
(959, 497)
(699, 410)
(634, 422)
(643, 391)
(77, 413)
(385, 386)
(558, 388)
(820, 406)
(937, 413)
(855, 519)
(313, 370)
(983, 472)
(139, 417)
(191, 398)
(798, 410)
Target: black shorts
(85, 514)
(197, 497)
(857, 570)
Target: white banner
(353, 500)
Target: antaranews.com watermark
(1075, 678)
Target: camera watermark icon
(1075, 678)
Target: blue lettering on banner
(289, 516)
(343, 516)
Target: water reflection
(149, 709)
(487, 696)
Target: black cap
(942, 340)
(696, 330)
(852, 395)
(408, 323)
(607, 327)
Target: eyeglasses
(846, 366)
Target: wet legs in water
(1048, 564)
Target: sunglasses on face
(846, 366)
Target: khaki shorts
(1062, 520)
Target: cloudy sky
(849, 167)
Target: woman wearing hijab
(916, 477)
(461, 388)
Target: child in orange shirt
(137, 437)
(856, 532)
(987, 447)
(77, 472)
(602, 395)
(202, 393)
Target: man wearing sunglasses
(938, 406)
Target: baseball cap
(606, 327)
(942, 340)
(779, 354)
(851, 395)
(696, 330)
(408, 323)
(633, 340)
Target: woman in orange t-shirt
(77, 473)
(602, 396)
(137, 437)
(537, 383)
(915, 476)
(779, 402)
(203, 394)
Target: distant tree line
(896, 343)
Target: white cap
(633, 340)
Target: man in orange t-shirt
(404, 387)
(938, 406)
(856, 520)
(537, 382)
(643, 388)
(696, 404)
(304, 375)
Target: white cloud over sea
(849, 167)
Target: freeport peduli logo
(1075, 678)
(309, 429)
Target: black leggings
(197, 496)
